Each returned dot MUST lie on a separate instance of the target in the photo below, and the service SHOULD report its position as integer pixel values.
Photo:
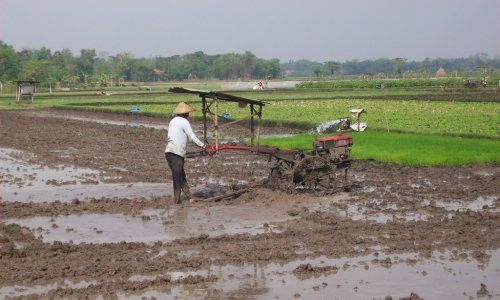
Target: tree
(40, 70)
(85, 63)
(9, 63)
(332, 66)
(43, 53)
(318, 72)
(300, 68)
(273, 68)
(398, 63)
(248, 62)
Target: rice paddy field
(418, 118)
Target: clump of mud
(13, 240)
(413, 296)
(305, 271)
(483, 291)
(197, 279)
(386, 263)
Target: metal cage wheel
(314, 173)
(281, 176)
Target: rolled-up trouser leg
(176, 164)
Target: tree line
(62, 67)
(89, 67)
(479, 64)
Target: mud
(132, 120)
(165, 225)
(138, 120)
(121, 153)
(400, 232)
(444, 275)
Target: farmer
(179, 132)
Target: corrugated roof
(28, 81)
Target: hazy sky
(316, 29)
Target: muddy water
(132, 123)
(17, 170)
(21, 290)
(445, 275)
(175, 222)
(67, 193)
(25, 181)
(368, 277)
(153, 225)
(358, 212)
(475, 205)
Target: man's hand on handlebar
(210, 149)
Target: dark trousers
(176, 164)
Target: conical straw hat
(182, 108)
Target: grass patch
(388, 83)
(306, 108)
(431, 129)
(473, 119)
(407, 149)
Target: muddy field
(86, 212)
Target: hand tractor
(294, 170)
(291, 170)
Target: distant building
(158, 74)
(440, 72)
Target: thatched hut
(441, 72)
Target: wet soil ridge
(101, 205)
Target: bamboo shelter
(210, 108)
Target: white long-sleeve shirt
(179, 132)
